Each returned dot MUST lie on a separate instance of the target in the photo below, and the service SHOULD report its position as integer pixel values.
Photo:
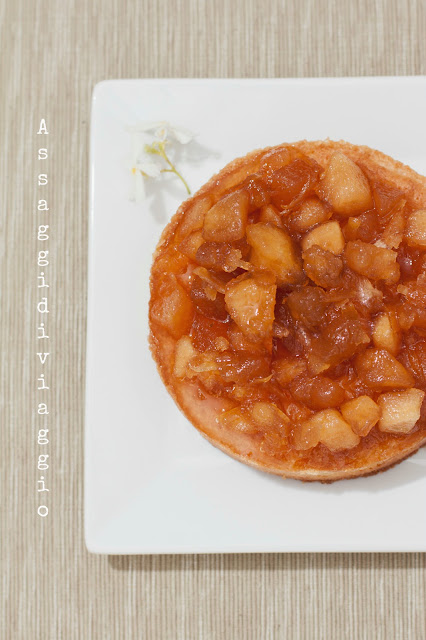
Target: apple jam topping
(299, 295)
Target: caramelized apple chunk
(387, 333)
(373, 262)
(273, 249)
(328, 427)
(226, 220)
(292, 182)
(287, 369)
(219, 256)
(194, 217)
(269, 213)
(393, 233)
(336, 433)
(319, 392)
(322, 267)
(184, 351)
(310, 213)
(306, 435)
(345, 186)
(308, 304)
(361, 413)
(250, 300)
(415, 234)
(190, 245)
(380, 370)
(414, 291)
(342, 334)
(207, 300)
(240, 367)
(255, 186)
(327, 236)
(172, 308)
(414, 356)
(368, 296)
(235, 419)
(400, 410)
(240, 341)
(267, 415)
(386, 196)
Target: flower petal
(181, 134)
(138, 187)
(144, 127)
(150, 168)
(162, 132)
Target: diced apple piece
(341, 335)
(361, 413)
(373, 262)
(311, 212)
(345, 186)
(369, 296)
(202, 363)
(320, 392)
(194, 217)
(328, 427)
(239, 341)
(287, 369)
(336, 433)
(211, 278)
(277, 158)
(308, 304)
(379, 370)
(307, 434)
(400, 410)
(394, 231)
(415, 233)
(268, 416)
(218, 256)
(230, 366)
(351, 228)
(250, 300)
(221, 343)
(328, 236)
(243, 366)
(226, 220)
(272, 248)
(269, 213)
(257, 190)
(322, 267)
(415, 356)
(172, 307)
(235, 420)
(415, 291)
(184, 351)
(387, 333)
(190, 245)
(171, 261)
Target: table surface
(53, 54)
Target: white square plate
(152, 483)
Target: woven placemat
(53, 54)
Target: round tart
(288, 310)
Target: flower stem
(163, 154)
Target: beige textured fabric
(53, 52)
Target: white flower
(150, 160)
(163, 131)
